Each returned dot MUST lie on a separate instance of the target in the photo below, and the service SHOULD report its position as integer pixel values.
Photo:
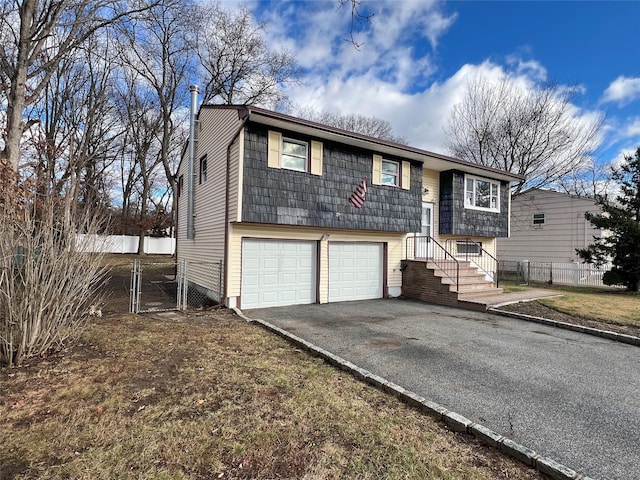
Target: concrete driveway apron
(569, 396)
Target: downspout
(245, 119)
(191, 170)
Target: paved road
(569, 396)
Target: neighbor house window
(180, 184)
(481, 194)
(295, 155)
(390, 173)
(538, 218)
(465, 247)
(203, 169)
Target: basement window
(464, 247)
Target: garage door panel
(355, 271)
(277, 273)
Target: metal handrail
(490, 267)
(439, 256)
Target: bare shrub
(47, 285)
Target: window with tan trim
(294, 154)
(392, 173)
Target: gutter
(245, 118)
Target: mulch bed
(537, 309)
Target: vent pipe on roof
(191, 213)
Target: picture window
(482, 194)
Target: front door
(423, 246)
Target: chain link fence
(200, 284)
(175, 285)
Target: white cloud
(622, 90)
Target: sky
(415, 58)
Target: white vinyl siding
(355, 271)
(564, 229)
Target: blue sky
(416, 57)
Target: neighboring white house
(548, 226)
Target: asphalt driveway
(569, 396)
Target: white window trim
(477, 245)
(306, 158)
(473, 207)
(398, 173)
(538, 224)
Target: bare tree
(140, 156)
(158, 45)
(371, 126)
(590, 180)
(72, 144)
(36, 35)
(530, 131)
(238, 65)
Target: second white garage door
(355, 271)
(277, 273)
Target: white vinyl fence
(126, 244)
(576, 274)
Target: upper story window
(203, 169)
(390, 173)
(393, 173)
(538, 219)
(295, 154)
(481, 194)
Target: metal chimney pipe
(191, 213)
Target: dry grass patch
(210, 396)
(606, 305)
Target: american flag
(358, 196)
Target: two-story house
(548, 226)
(300, 212)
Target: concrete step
(479, 293)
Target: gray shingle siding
(455, 219)
(288, 197)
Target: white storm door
(423, 245)
(355, 271)
(277, 273)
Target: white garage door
(277, 273)
(355, 271)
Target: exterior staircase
(472, 284)
(426, 280)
